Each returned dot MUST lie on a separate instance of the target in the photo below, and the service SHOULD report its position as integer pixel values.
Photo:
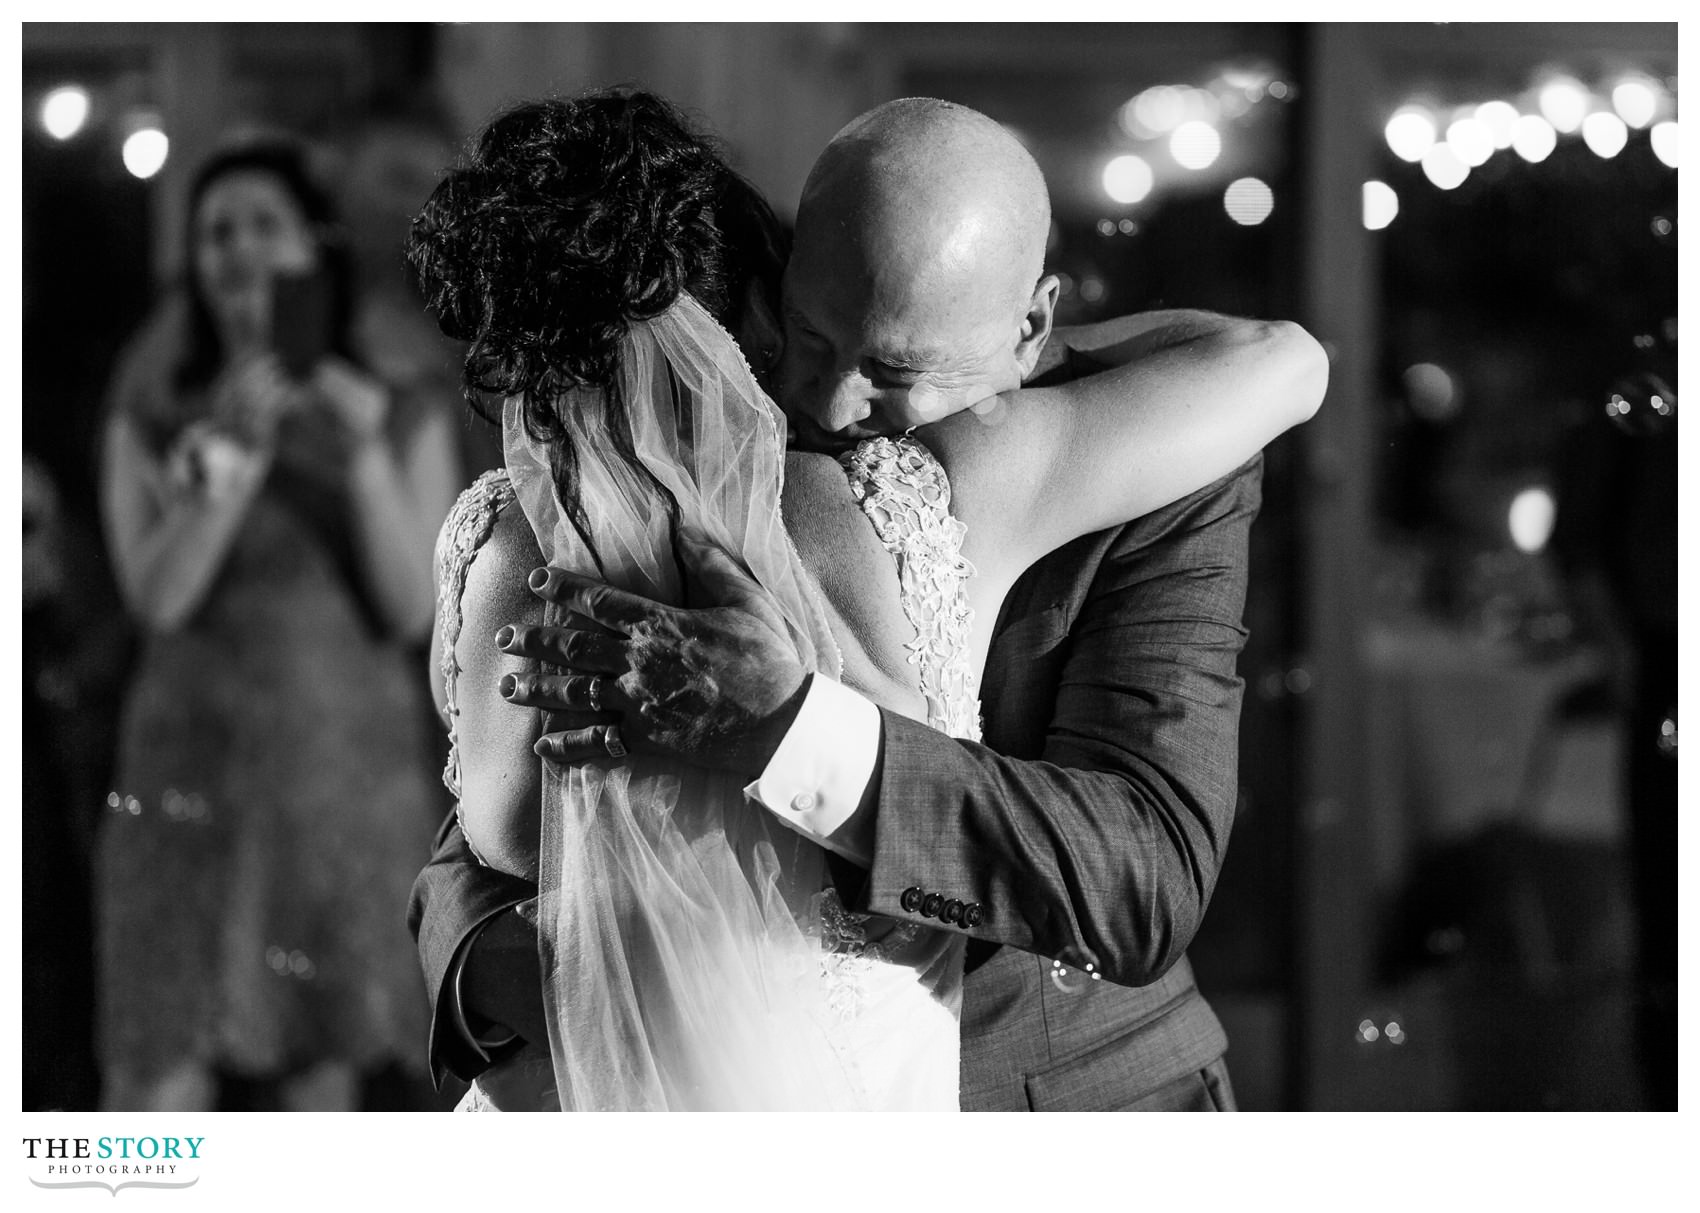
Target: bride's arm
(1033, 469)
(1122, 339)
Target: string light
(1499, 117)
(1531, 518)
(145, 151)
(1564, 103)
(1381, 205)
(1635, 101)
(1431, 392)
(1663, 136)
(1127, 179)
(1442, 166)
(1248, 201)
(1605, 134)
(1470, 140)
(1533, 138)
(1195, 144)
(64, 111)
(1157, 110)
(1410, 133)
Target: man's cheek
(930, 402)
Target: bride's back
(500, 787)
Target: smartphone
(301, 321)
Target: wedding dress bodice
(891, 990)
(905, 495)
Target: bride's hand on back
(718, 686)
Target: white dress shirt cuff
(818, 774)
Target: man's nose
(848, 402)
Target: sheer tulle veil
(679, 926)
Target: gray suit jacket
(1091, 824)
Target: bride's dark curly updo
(571, 219)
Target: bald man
(1080, 843)
(916, 285)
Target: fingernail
(504, 638)
(507, 686)
(539, 580)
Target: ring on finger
(593, 693)
(612, 743)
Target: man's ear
(1036, 324)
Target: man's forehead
(895, 313)
(879, 325)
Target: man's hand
(718, 686)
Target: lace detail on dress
(464, 531)
(905, 493)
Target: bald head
(937, 190)
(918, 257)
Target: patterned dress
(273, 803)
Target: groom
(1078, 846)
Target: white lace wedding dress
(696, 955)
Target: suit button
(911, 899)
(972, 913)
(952, 911)
(802, 802)
(930, 907)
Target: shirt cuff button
(802, 802)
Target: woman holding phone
(270, 507)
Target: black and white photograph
(842, 566)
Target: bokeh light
(1199, 105)
(1605, 134)
(1635, 100)
(1533, 138)
(1381, 205)
(1410, 132)
(1159, 109)
(145, 151)
(1127, 179)
(1471, 140)
(1442, 166)
(1195, 144)
(1530, 519)
(1432, 393)
(1663, 136)
(64, 111)
(1499, 117)
(1642, 404)
(1564, 103)
(1248, 201)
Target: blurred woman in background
(270, 506)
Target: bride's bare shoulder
(496, 580)
(857, 577)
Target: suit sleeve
(1102, 847)
(452, 897)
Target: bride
(610, 274)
